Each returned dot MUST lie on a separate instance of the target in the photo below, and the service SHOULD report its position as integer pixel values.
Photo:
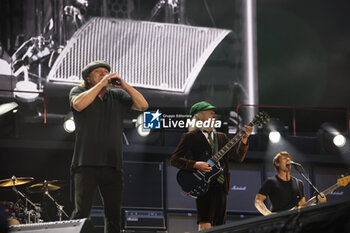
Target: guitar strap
(296, 190)
(216, 143)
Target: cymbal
(45, 186)
(14, 181)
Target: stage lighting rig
(275, 129)
(68, 123)
(332, 137)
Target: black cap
(93, 65)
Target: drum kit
(24, 211)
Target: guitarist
(284, 190)
(211, 207)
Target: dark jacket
(193, 145)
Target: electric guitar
(196, 183)
(340, 182)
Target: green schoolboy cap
(200, 106)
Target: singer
(98, 112)
(283, 190)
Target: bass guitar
(340, 182)
(196, 183)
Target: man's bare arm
(260, 205)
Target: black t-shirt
(99, 128)
(283, 195)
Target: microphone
(295, 164)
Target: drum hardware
(45, 187)
(20, 210)
(28, 213)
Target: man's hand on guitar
(202, 166)
(247, 131)
(320, 199)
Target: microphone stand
(301, 171)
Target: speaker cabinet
(176, 198)
(143, 186)
(144, 219)
(182, 222)
(133, 220)
(244, 185)
(71, 226)
(326, 177)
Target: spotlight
(275, 129)
(139, 126)
(331, 137)
(339, 140)
(143, 132)
(274, 136)
(68, 124)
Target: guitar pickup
(197, 176)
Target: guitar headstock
(260, 119)
(343, 181)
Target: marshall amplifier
(244, 185)
(143, 186)
(70, 226)
(97, 217)
(176, 199)
(327, 177)
(144, 219)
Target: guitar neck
(325, 192)
(229, 145)
(331, 189)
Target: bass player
(284, 190)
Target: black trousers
(109, 182)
